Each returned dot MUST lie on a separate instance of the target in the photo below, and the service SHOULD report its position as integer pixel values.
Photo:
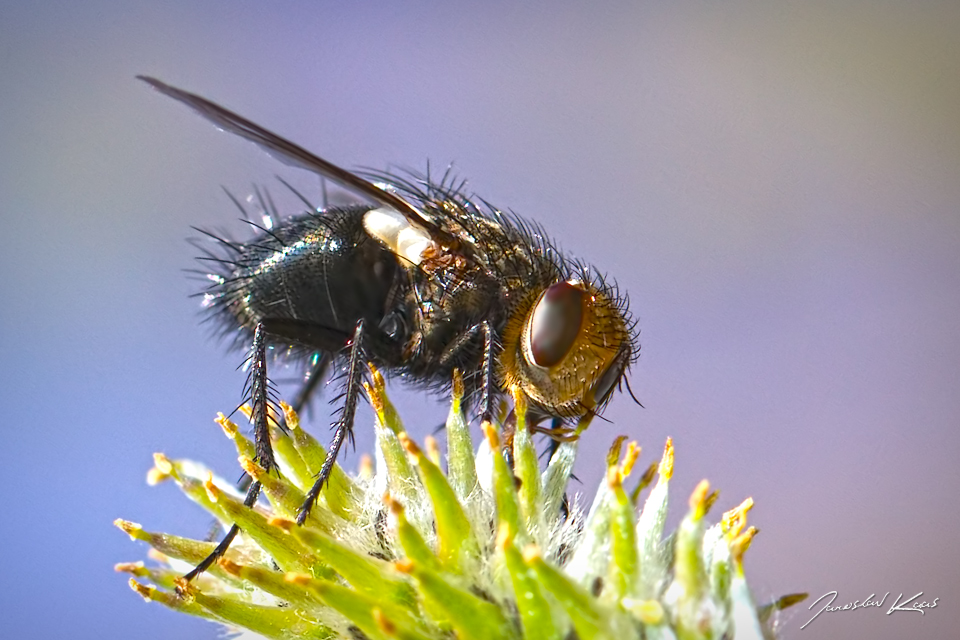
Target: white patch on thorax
(407, 241)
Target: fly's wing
(297, 156)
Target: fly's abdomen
(319, 270)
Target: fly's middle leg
(316, 375)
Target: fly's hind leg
(343, 427)
(258, 387)
(253, 492)
(301, 402)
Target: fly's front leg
(258, 387)
(487, 395)
(463, 341)
(486, 372)
(343, 427)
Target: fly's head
(568, 346)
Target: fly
(420, 280)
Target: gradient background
(777, 185)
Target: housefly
(420, 279)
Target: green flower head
(488, 548)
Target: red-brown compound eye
(555, 323)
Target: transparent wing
(295, 155)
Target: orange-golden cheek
(565, 389)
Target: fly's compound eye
(555, 324)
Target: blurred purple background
(777, 185)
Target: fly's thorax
(565, 347)
(447, 300)
(447, 294)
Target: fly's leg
(486, 369)
(258, 387)
(301, 400)
(253, 492)
(552, 447)
(463, 341)
(317, 373)
(488, 392)
(343, 427)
